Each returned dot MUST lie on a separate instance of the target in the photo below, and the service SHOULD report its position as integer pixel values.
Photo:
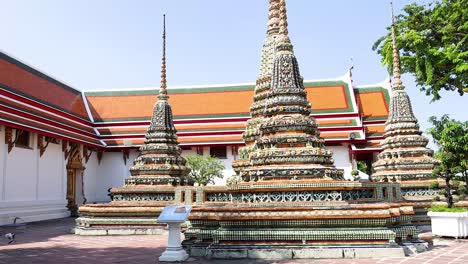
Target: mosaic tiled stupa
(292, 201)
(289, 144)
(155, 175)
(262, 87)
(405, 156)
(159, 161)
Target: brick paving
(51, 242)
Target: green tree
(451, 137)
(433, 43)
(204, 169)
(365, 166)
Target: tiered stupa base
(301, 219)
(133, 211)
(421, 197)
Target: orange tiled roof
(203, 115)
(373, 102)
(21, 79)
(210, 102)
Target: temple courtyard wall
(34, 187)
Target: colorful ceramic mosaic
(288, 191)
(252, 133)
(405, 155)
(159, 162)
(288, 145)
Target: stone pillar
(390, 192)
(379, 191)
(178, 196)
(399, 195)
(188, 196)
(199, 196)
(174, 251)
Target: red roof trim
(45, 133)
(43, 107)
(46, 121)
(213, 120)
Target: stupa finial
(284, 43)
(273, 17)
(162, 89)
(397, 83)
(283, 16)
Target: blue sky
(116, 44)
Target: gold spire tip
(397, 83)
(162, 90)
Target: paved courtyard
(51, 242)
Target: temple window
(218, 152)
(22, 138)
(52, 140)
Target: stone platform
(51, 242)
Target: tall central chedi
(289, 144)
(292, 202)
(262, 87)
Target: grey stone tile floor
(51, 242)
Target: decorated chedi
(292, 202)
(289, 144)
(405, 156)
(262, 87)
(159, 161)
(155, 178)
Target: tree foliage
(433, 43)
(365, 166)
(451, 137)
(204, 169)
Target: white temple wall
(51, 174)
(34, 187)
(228, 171)
(191, 151)
(112, 173)
(31, 187)
(342, 159)
(21, 174)
(90, 178)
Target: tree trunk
(448, 188)
(466, 180)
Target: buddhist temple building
(61, 146)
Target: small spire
(273, 17)
(162, 89)
(397, 83)
(283, 16)
(284, 43)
